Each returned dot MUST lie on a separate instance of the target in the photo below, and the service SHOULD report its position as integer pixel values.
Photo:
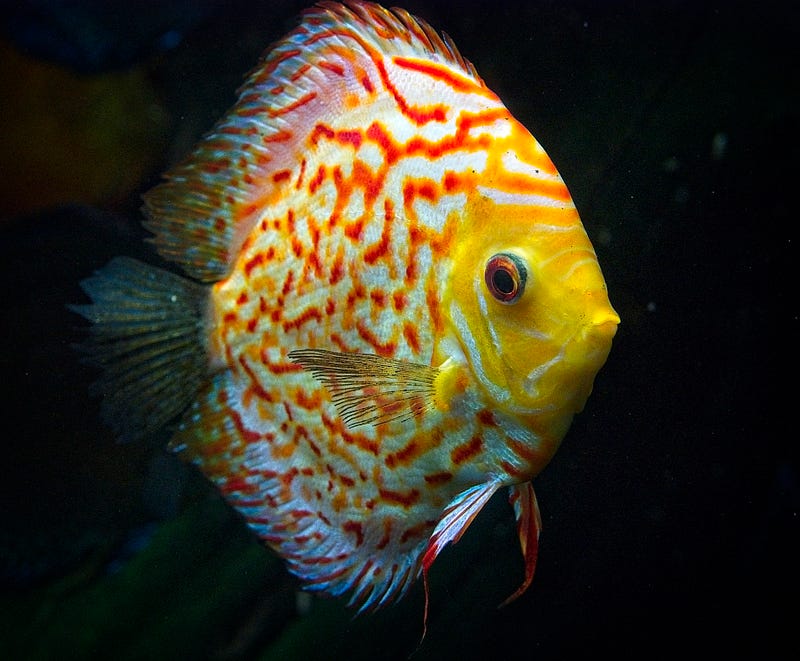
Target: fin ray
(369, 389)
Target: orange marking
(354, 229)
(512, 470)
(372, 184)
(337, 270)
(213, 167)
(247, 210)
(297, 247)
(417, 531)
(310, 403)
(339, 501)
(520, 183)
(321, 130)
(378, 298)
(387, 534)
(486, 417)
(439, 72)
(366, 83)
(281, 175)
(306, 316)
(338, 69)
(360, 441)
(432, 300)
(277, 59)
(287, 284)
(245, 434)
(385, 349)
(238, 484)
(522, 451)
(406, 499)
(297, 75)
(400, 301)
(283, 451)
(286, 480)
(411, 336)
(436, 479)
(377, 134)
(250, 112)
(466, 451)
(381, 248)
(317, 180)
(279, 136)
(354, 527)
(313, 261)
(404, 456)
(282, 368)
(349, 138)
(466, 120)
(299, 103)
(255, 387)
(418, 114)
(441, 244)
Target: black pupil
(503, 282)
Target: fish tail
(147, 336)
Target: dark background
(671, 511)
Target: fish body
(392, 309)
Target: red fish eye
(505, 277)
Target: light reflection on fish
(392, 308)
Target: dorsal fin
(208, 204)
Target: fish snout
(603, 325)
(598, 330)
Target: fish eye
(505, 277)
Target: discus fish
(392, 309)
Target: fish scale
(369, 380)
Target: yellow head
(528, 301)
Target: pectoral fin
(370, 389)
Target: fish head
(528, 298)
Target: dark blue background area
(671, 511)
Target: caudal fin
(147, 337)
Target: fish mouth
(578, 360)
(604, 325)
(594, 344)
